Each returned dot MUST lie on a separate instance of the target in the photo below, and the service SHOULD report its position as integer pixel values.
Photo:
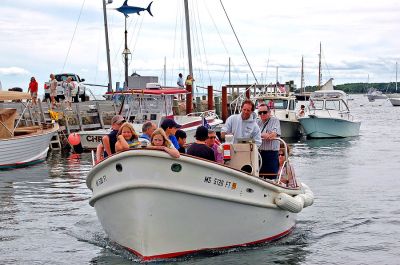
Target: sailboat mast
(319, 67)
(396, 77)
(302, 76)
(188, 37)
(109, 89)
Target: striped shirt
(272, 125)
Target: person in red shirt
(33, 89)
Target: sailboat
(395, 98)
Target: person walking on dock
(33, 89)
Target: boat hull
(318, 127)
(158, 212)
(374, 97)
(395, 101)
(290, 129)
(25, 150)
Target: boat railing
(236, 104)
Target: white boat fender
(289, 203)
(308, 195)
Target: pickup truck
(79, 92)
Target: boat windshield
(274, 103)
(150, 104)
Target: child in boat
(160, 141)
(126, 138)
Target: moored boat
(161, 207)
(283, 107)
(329, 116)
(22, 145)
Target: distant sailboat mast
(109, 89)
(319, 67)
(302, 76)
(396, 77)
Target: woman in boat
(286, 171)
(160, 141)
(126, 138)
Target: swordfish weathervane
(126, 9)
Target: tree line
(360, 88)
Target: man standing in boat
(269, 149)
(243, 125)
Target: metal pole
(107, 47)
(126, 56)
(189, 47)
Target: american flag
(205, 123)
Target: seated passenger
(214, 144)
(126, 138)
(286, 170)
(160, 141)
(110, 139)
(181, 137)
(99, 153)
(200, 148)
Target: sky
(360, 41)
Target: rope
(73, 35)
(244, 54)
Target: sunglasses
(262, 112)
(280, 154)
(212, 137)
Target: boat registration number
(101, 180)
(220, 182)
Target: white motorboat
(283, 107)
(374, 94)
(153, 105)
(161, 207)
(329, 116)
(22, 145)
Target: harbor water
(45, 217)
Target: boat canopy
(14, 95)
(328, 95)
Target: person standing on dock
(69, 87)
(269, 149)
(179, 82)
(243, 125)
(189, 80)
(53, 90)
(33, 89)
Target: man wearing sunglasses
(269, 149)
(243, 125)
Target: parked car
(79, 92)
